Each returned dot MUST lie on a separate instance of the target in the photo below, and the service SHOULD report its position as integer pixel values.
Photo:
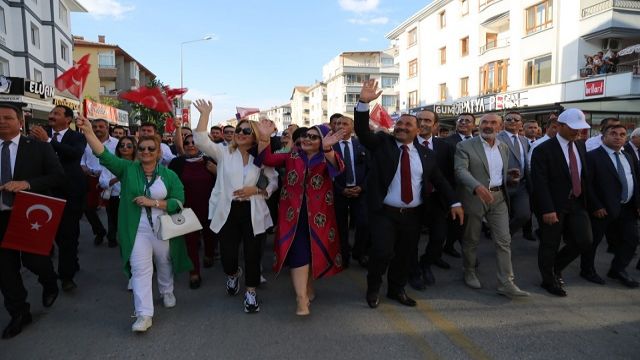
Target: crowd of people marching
(309, 186)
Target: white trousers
(146, 249)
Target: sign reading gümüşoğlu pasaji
(481, 104)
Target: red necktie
(573, 170)
(405, 176)
(429, 185)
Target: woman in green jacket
(148, 190)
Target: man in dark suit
(465, 124)
(349, 200)
(437, 210)
(69, 145)
(560, 190)
(633, 148)
(400, 169)
(35, 168)
(614, 200)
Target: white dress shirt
(593, 142)
(494, 158)
(167, 155)
(60, 134)
(13, 152)
(421, 140)
(564, 144)
(626, 167)
(91, 161)
(353, 162)
(394, 194)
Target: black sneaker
(251, 303)
(233, 283)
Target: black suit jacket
(70, 150)
(385, 157)
(444, 152)
(360, 157)
(37, 164)
(453, 139)
(629, 150)
(551, 177)
(605, 186)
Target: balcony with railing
(589, 9)
(495, 44)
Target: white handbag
(183, 222)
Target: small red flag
(174, 93)
(169, 125)
(242, 113)
(75, 78)
(150, 97)
(33, 223)
(380, 117)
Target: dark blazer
(37, 164)
(453, 139)
(385, 157)
(360, 157)
(551, 178)
(444, 152)
(629, 150)
(605, 186)
(69, 150)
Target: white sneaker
(142, 323)
(129, 286)
(263, 280)
(169, 300)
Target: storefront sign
(490, 103)
(11, 85)
(72, 104)
(95, 110)
(594, 88)
(11, 98)
(39, 89)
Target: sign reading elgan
(39, 88)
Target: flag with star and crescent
(33, 223)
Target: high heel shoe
(303, 306)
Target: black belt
(496, 188)
(407, 210)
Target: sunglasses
(187, 143)
(123, 146)
(510, 119)
(244, 131)
(147, 148)
(462, 121)
(229, 132)
(311, 137)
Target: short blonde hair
(254, 128)
(156, 140)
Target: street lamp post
(208, 37)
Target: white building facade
(300, 106)
(481, 56)
(318, 104)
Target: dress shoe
(98, 240)
(363, 261)
(49, 297)
(416, 282)
(626, 280)
(592, 276)
(402, 298)
(559, 279)
(142, 324)
(451, 251)
(427, 276)
(471, 280)
(442, 264)
(194, 282)
(529, 236)
(511, 290)
(68, 285)
(15, 325)
(373, 299)
(554, 288)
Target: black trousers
(67, 238)
(237, 229)
(435, 216)
(352, 211)
(623, 229)
(112, 218)
(575, 228)
(96, 225)
(394, 238)
(13, 290)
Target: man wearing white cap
(559, 198)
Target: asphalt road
(451, 321)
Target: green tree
(109, 101)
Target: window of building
(63, 14)
(464, 46)
(389, 101)
(135, 71)
(493, 77)
(538, 71)
(356, 79)
(443, 91)
(351, 98)
(3, 24)
(413, 99)
(4, 67)
(443, 19)
(107, 59)
(64, 51)
(35, 35)
(413, 68)
(464, 7)
(539, 16)
(388, 82)
(37, 75)
(387, 61)
(412, 37)
(443, 55)
(464, 86)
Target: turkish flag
(33, 223)
(169, 125)
(174, 93)
(150, 97)
(75, 78)
(242, 113)
(380, 117)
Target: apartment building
(318, 104)
(300, 106)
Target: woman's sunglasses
(147, 148)
(187, 143)
(311, 137)
(127, 146)
(244, 131)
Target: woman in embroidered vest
(237, 207)
(307, 234)
(147, 190)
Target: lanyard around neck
(147, 192)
